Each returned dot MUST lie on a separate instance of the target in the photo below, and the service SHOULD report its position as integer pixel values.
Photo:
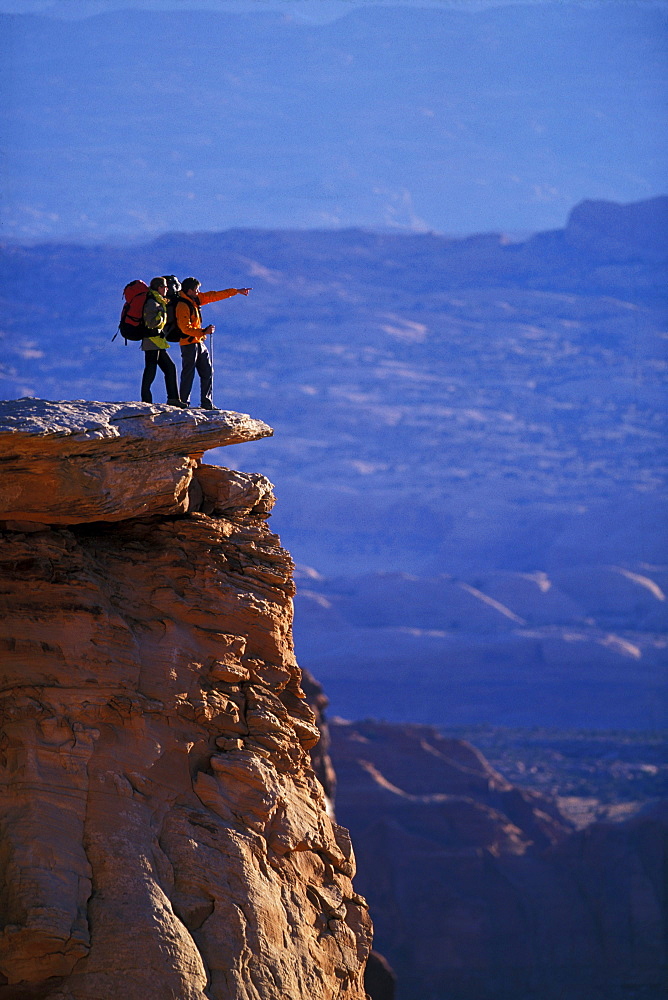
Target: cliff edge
(162, 833)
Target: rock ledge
(73, 462)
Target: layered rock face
(162, 833)
(482, 891)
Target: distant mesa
(621, 232)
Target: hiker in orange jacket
(194, 355)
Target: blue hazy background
(450, 217)
(121, 120)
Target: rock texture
(162, 832)
(481, 891)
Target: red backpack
(131, 325)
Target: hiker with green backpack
(155, 346)
(143, 318)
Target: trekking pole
(212, 367)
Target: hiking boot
(207, 406)
(178, 403)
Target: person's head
(190, 286)
(159, 285)
(173, 284)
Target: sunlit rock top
(165, 427)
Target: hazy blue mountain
(131, 123)
(469, 454)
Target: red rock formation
(480, 891)
(162, 833)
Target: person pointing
(194, 354)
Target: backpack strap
(193, 306)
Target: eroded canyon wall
(481, 890)
(162, 833)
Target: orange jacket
(188, 316)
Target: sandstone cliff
(162, 833)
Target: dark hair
(188, 283)
(156, 283)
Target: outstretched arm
(206, 297)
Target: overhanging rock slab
(75, 461)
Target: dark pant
(152, 361)
(195, 358)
